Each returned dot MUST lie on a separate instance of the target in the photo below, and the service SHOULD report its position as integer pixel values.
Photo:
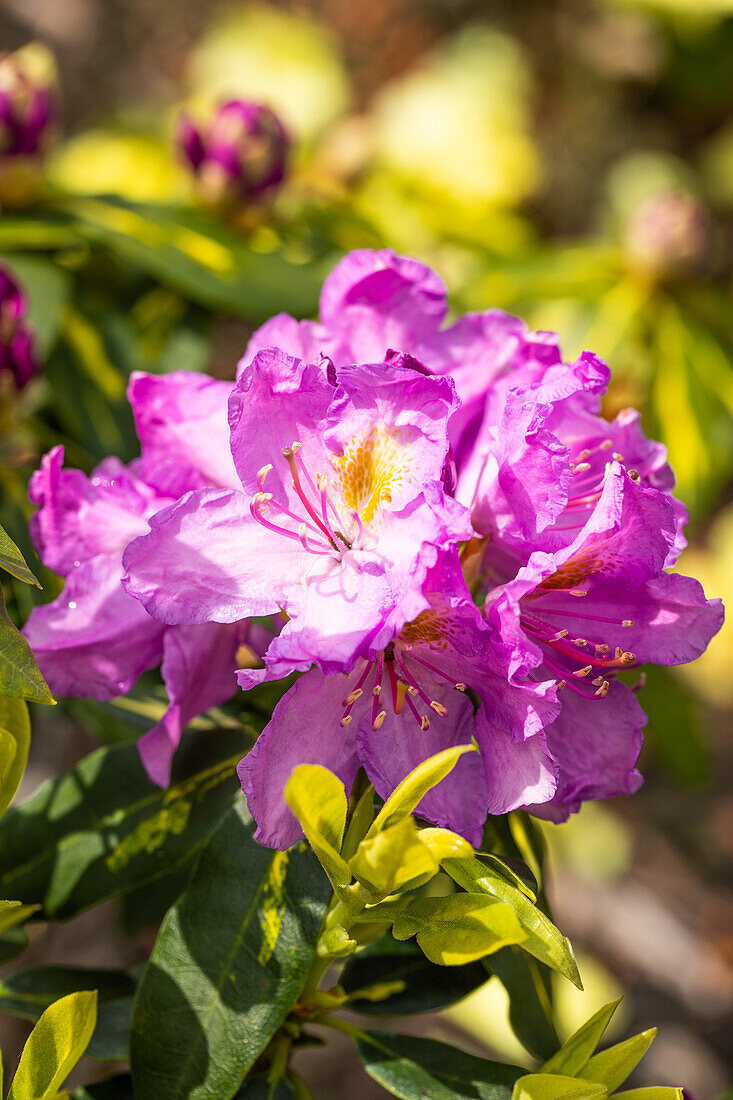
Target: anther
(377, 723)
(561, 684)
(424, 723)
(461, 687)
(377, 690)
(583, 671)
(603, 690)
(262, 474)
(439, 708)
(413, 690)
(606, 445)
(579, 642)
(560, 634)
(627, 622)
(581, 467)
(577, 592)
(583, 455)
(617, 457)
(345, 720)
(352, 697)
(597, 682)
(602, 650)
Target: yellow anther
(353, 696)
(377, 690)
(627, 622)
(377, 723)
(439, 708)
(461, 687)
(603, 690)
(583, 671)
(577, 592)
(262, 474)
(424, 723)
(345, 720)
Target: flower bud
(239, 158)
(17, 344)
(667, 231)
(26, 120)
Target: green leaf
(414, 786)
(55, 1045)
(19, 675)
(15, 739)
(458, 929)
(12, 561)
(103, 828)
(393, 859)
(201, 258)
(528, 986)
(536, 1086)
(422, 1069)
(653, 1092)
(229, 963)
(404, 980)
(12, 943)
(318, 799)
(259, 1088)
(572, 1056)
(611, 1067)
(359, 822)
(444, 844)
(543, 940)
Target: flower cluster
(17, 343)
(448, 541)
(240, 157)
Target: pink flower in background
(239, 157)
(17, 343)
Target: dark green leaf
(426, 987)
(118, 1087)
(530, 1005)
(13, 561)
(422, 1069)
(228, 965)
(104, 828)
(19, 675)
(259, 1088)
(12, 943)
(111, 1039)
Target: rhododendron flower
(95, 640)
(409, 701)
(337, 521)
(598, 605)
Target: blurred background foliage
(567, 160)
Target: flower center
(574, 661)
(398, 660)
(325, 526)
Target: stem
(338, 1024)
(299, 1086)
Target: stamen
(377, 691)
(377, 723)
(262, 474)
(424, 723)
(439, 708)
(289, 454)
(581, 467)
(583, 671)
(577, 592)
(355, 694)
(439, 672)
(345, 720)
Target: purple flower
(338, 519)
(600, 604)
(26, 120)
(95, 640)
(408, 701)
(240, 157)
(17, 344)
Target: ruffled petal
(94, 640)
(205, 559)
(199, 672)
(182, 422)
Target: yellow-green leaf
(443, 844)
(416, 785)
(12, 913)
(543, 940)
(393, 859)
(15, 739)
(552, 1086)
(55, 1045)
(611, 1067)
(361, 818)
(458, 929)
(19, 675)
(572, 1056)
(318, 800)
(653, 1092)
(13, 561)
